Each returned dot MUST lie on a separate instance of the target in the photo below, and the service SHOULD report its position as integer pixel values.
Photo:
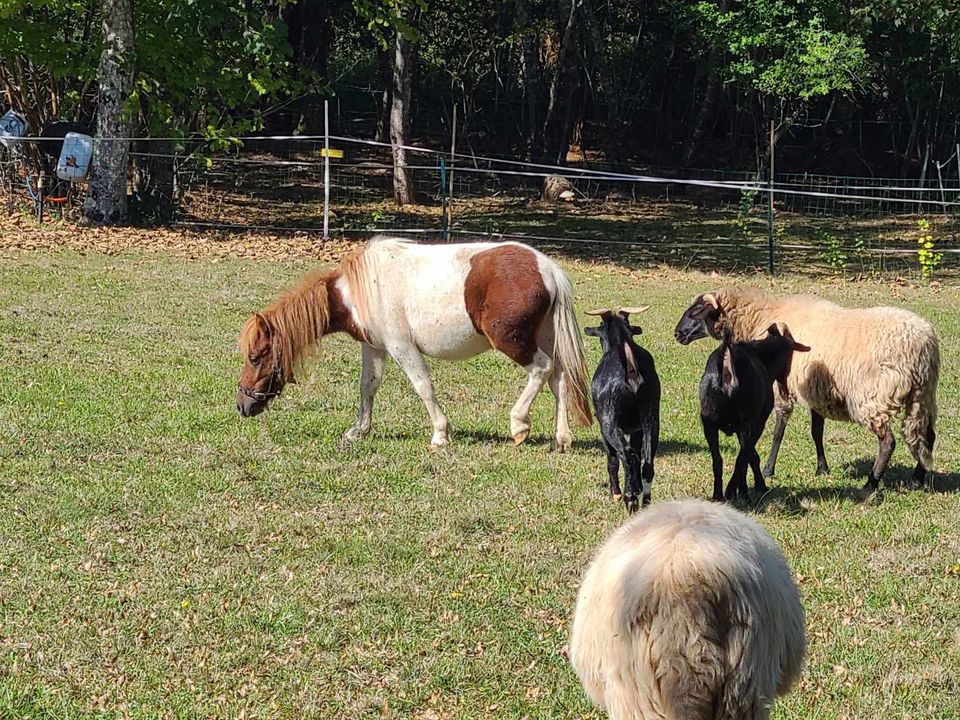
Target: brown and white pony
(446, 301)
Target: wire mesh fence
(691, 217)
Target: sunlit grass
(160, 556)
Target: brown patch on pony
(507, 300)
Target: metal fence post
(326, 169)
(770, 205)
(441, 161)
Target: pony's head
(264, 373)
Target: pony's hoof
(520, 437)
(438, 441)
(562, 444)
(349, 438)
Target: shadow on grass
(797, 501)
(898, 476)
(665, 447)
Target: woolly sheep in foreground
(688, 612)
(864, 366)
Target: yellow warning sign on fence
(338, 154)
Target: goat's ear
(634, 330)
(592, 331)
(728, 372)
(781, 329)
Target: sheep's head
(699, 320)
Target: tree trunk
(153, 183)
(705, 113)
(530, 79)
(609, 93)
(400, 119)
(386, 97)
(558, 124)
(106, 201)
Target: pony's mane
(300, 316)
(355, 270)
(297, 320)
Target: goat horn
(633, 310)
(600, 311)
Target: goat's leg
(370, 377)
(631, 466)
(759, 484)
(737, 487)
(712, 435)
(887, 443)
(816, 429)
(613, 470)
(415, 368)
(783, 410)
(920, 472)
(644, 442)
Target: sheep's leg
(783, 411)
(920, 472)
(644, 445)
(887, 443)
(816, 429)
(712, 435)
(613, 470)
(370, 377)
(628, 458)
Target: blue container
(13, 126)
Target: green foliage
(837, 251)
(783, 49)
(928, 258)
(744, 210)
(383, 16)
(217, 61)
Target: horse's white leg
(415, 367)
(370, 377)
(537, 373)
(564, 438)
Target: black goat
(736, 396)
(626, 397)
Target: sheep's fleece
(688, 612)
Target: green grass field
(162, 557)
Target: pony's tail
(568, 350)
(921, 410)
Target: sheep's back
(696, 602)
(863, 363)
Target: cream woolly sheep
(864, 366)
(688, 612)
